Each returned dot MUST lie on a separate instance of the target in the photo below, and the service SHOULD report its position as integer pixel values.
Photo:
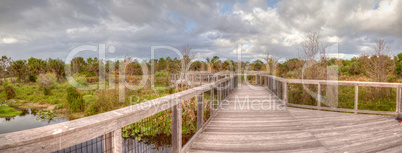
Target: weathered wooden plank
(177, 129)
(258, 147)
(265, 131)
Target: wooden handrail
(62, 135)
(269, 82)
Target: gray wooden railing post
(117, 141)
(201, 79)
(260, 80)
(228, 87)
(274, 86)
(319, 96)
(223, 91)
(285, 92)
(212, 101)
(356, 98)
(256, 79)
(278, 90)
(176, 128)
(200, 110)
(399, 103)
(219, 95)
(108, 142)
(113, 142)
(270, 83)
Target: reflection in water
(26, 120)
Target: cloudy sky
(52, 28)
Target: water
(26, 120)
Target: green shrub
(32, 78)
(161, 73)
(10, 92)
(80, 79)
(105, 100)
(5, 84)
(75, 100)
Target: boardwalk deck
(251, 126)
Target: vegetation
(45, 114)
(46, 82)
(43, 81)
(75, 100)
(7, 111)
(9, 92)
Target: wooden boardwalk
(250, 126)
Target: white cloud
(53, 28)
(9, 40)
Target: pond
(26, 120)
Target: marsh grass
(7, 111)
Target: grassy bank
(7, 111)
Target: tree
(399, 64)
(46, 82)
(57, 67)
(19, 67)
(216, 63)
(78, 65)
(258, 65)
(36, 66)
(188, 55)
(309, 49)
(93, 66)
(380, 65)
(4, 64)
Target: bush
(5, 84)
(161, 73)
(105, 100)
(10, 92)
(80, 79)
(32, 78)
(75, 100)
(46, 82)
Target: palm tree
(57, 67)
(19, 67)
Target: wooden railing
(276, 84)
(63, 135)
(195, 79)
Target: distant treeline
(364, 66)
